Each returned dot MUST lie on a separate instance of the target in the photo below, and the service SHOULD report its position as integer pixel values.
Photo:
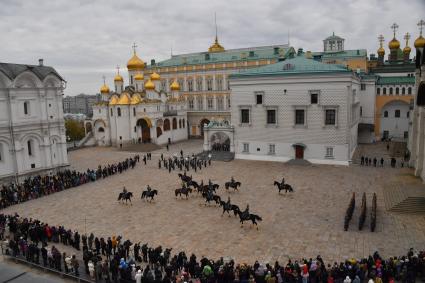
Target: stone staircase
(217, 155)
(405, 199)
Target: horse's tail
(119, 197)
(176, 192)
(226, 185)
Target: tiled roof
(396, 80)
(13, 70)
(297, 65)
(230, 55)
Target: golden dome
(149, 85)
(420, 42)
(381, 51)
(124, 99)
(135, 99)
(155, 76)
(113, 100)
(216, 47)
(135, 63)
(104, 89)
(406, 50)
(139, 77)
(394, 44)
(175, 85)
(118, 78)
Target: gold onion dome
(135, 99)
(104, 89)
(139, 77)
(394, 44)
(149, 85)
(216, 47)
(420, 42)
(381, 51)
(118, 78)
(155, 76)
(175, 86)
(406, 50)
(135, 63)
(114, 100)
(124, 99)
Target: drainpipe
(12, 136)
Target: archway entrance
(220, 142)
(89, 128)
(201, 125)
(145, 130)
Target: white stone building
(297, 108)
(140, 112)
(32, 130)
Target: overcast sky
(85, 39)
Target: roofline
(288, 73)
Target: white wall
(395, 126)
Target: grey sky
(85, 39)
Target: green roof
(341, 54)
(396, 80)
(297, 65)
(231, 55)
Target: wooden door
(299, 152)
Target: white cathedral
(139, 112)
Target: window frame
(210, 103)
(276, 116)
(304, 125)
(247, 108)
(245, 147)
(310, 93)
(27, 108)
(257, 95)
(329, 152)
(397, 113)
(272, 146)
(328, 110)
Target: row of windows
(210, 103)
(199, 84)
(391, 90)
(329, 151)
(271, 116)
(397, 114)
(314, 98)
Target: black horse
(227, 207)
(283, 187)
(185, 178)
(125, 196)
(233, 185)
(249, 217)
(209, 197)
(183, 191)
(149, 194)
(192, 183)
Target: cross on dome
(394, 27)
(134, 47)
(381, 39)
(421, 25)
(407, 37)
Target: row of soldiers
(367, 161)
(181, 163)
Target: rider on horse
(232, 180)
(124, 190)
(228, 201)
(210, 184)
(148, 188)
(246, 211)
(283, 181)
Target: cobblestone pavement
(303, 224)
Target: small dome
(139, 77)
(216, 47)
(113, 100)
(118, 78)
(420, 42)
(406, 50)
(135, 99)
(381, 51)
(135, 63)
(155, 76)
(149, 85)
(394, 44)
(104, 89)
(124, 99)
(175, 86)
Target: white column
(204, 98)
(215, 103)
(214, 87)
(204, 85)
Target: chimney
(40, 62)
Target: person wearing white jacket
(138, 276)
(347, 279)
(91, 269)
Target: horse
(227, 207)
(149, 194)
(192, 183)
(235, 209)
(125, 196)
(209, 196)
(249, 217)
(233, 185)
(185, 178)
(254, 218)
(183, 191)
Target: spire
(216, 47)
(134, 48)
(215, 23)
(407, 37)
(381, 41)
(118, 69)
(104, 80)
(421, 25)
(394, 27)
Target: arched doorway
(146, 131)
(174, 123)
(89, 127)
(201, 125)
(158, 132)
(299, 150)
(220, 142)
(166, 125)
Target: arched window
(112, 112)
(409, 90)
(184, 124)
(119, 112)
(384, 90)
(391, 90)
(408, 114)
(403, 90)
(397, 113)
(397, 90)
(378, 91)
(29, 147)
(385, 114)
(180, 123)
(101, 130)
(166, 125)
(174, 123)
(134, 111)
(26, 108)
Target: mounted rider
(246, 211)
(124, 191)
(149, 189)
(228, 202)
(232, 180)
(283, 181)
(210, 184)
